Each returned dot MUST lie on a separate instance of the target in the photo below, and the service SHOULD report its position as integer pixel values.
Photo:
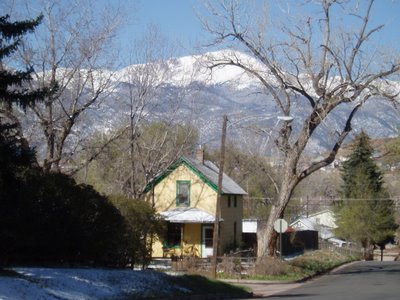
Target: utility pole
(218, 204)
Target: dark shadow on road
(370, 269)
(290, 295)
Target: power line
(327, 199)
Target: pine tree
(360, 172)
(366, 214)
(11, 82)
(15, 155)
(12, 90)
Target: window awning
(188, 215)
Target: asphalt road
(361, 280)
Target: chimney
(200, 154)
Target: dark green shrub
(144, 226)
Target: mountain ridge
(187, 93)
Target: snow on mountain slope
(185, 70)
(188, 92)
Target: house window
(182, 193)
(229, 201)
(235, 201)
(174, 234)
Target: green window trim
(172, 167)
(174, 235)
(178, 184)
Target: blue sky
(177, 18)
(178, 21)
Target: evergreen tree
(11, 82)
(366, 214)
(16, 158)
(12, 89)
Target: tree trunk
(266, 235)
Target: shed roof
(307, 224)
(304, 223)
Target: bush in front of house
(51, 220)
(143, 227)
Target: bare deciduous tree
(156, 145)
(71, 53)
(314, 59)
(145, 77)
(152, 133)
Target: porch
(189, 233)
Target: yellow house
(185, 195)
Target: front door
(207, 241)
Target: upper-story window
(182, 193)
(232, 200)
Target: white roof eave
(188, 215)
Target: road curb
(335, 270)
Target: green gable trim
(174, 166)
(201, 176)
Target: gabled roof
(307, 224)
(322, 212)
(304, 223)
(207, 171)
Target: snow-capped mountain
(185, 90)
(206, 95)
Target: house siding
(202, 196)
(325, 218)
(192, 236)
(230, 215)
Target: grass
(319, 262)
(309, 264)
(304, 266)
(200, 285)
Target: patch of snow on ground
(79, 284)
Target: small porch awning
(188, 215)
